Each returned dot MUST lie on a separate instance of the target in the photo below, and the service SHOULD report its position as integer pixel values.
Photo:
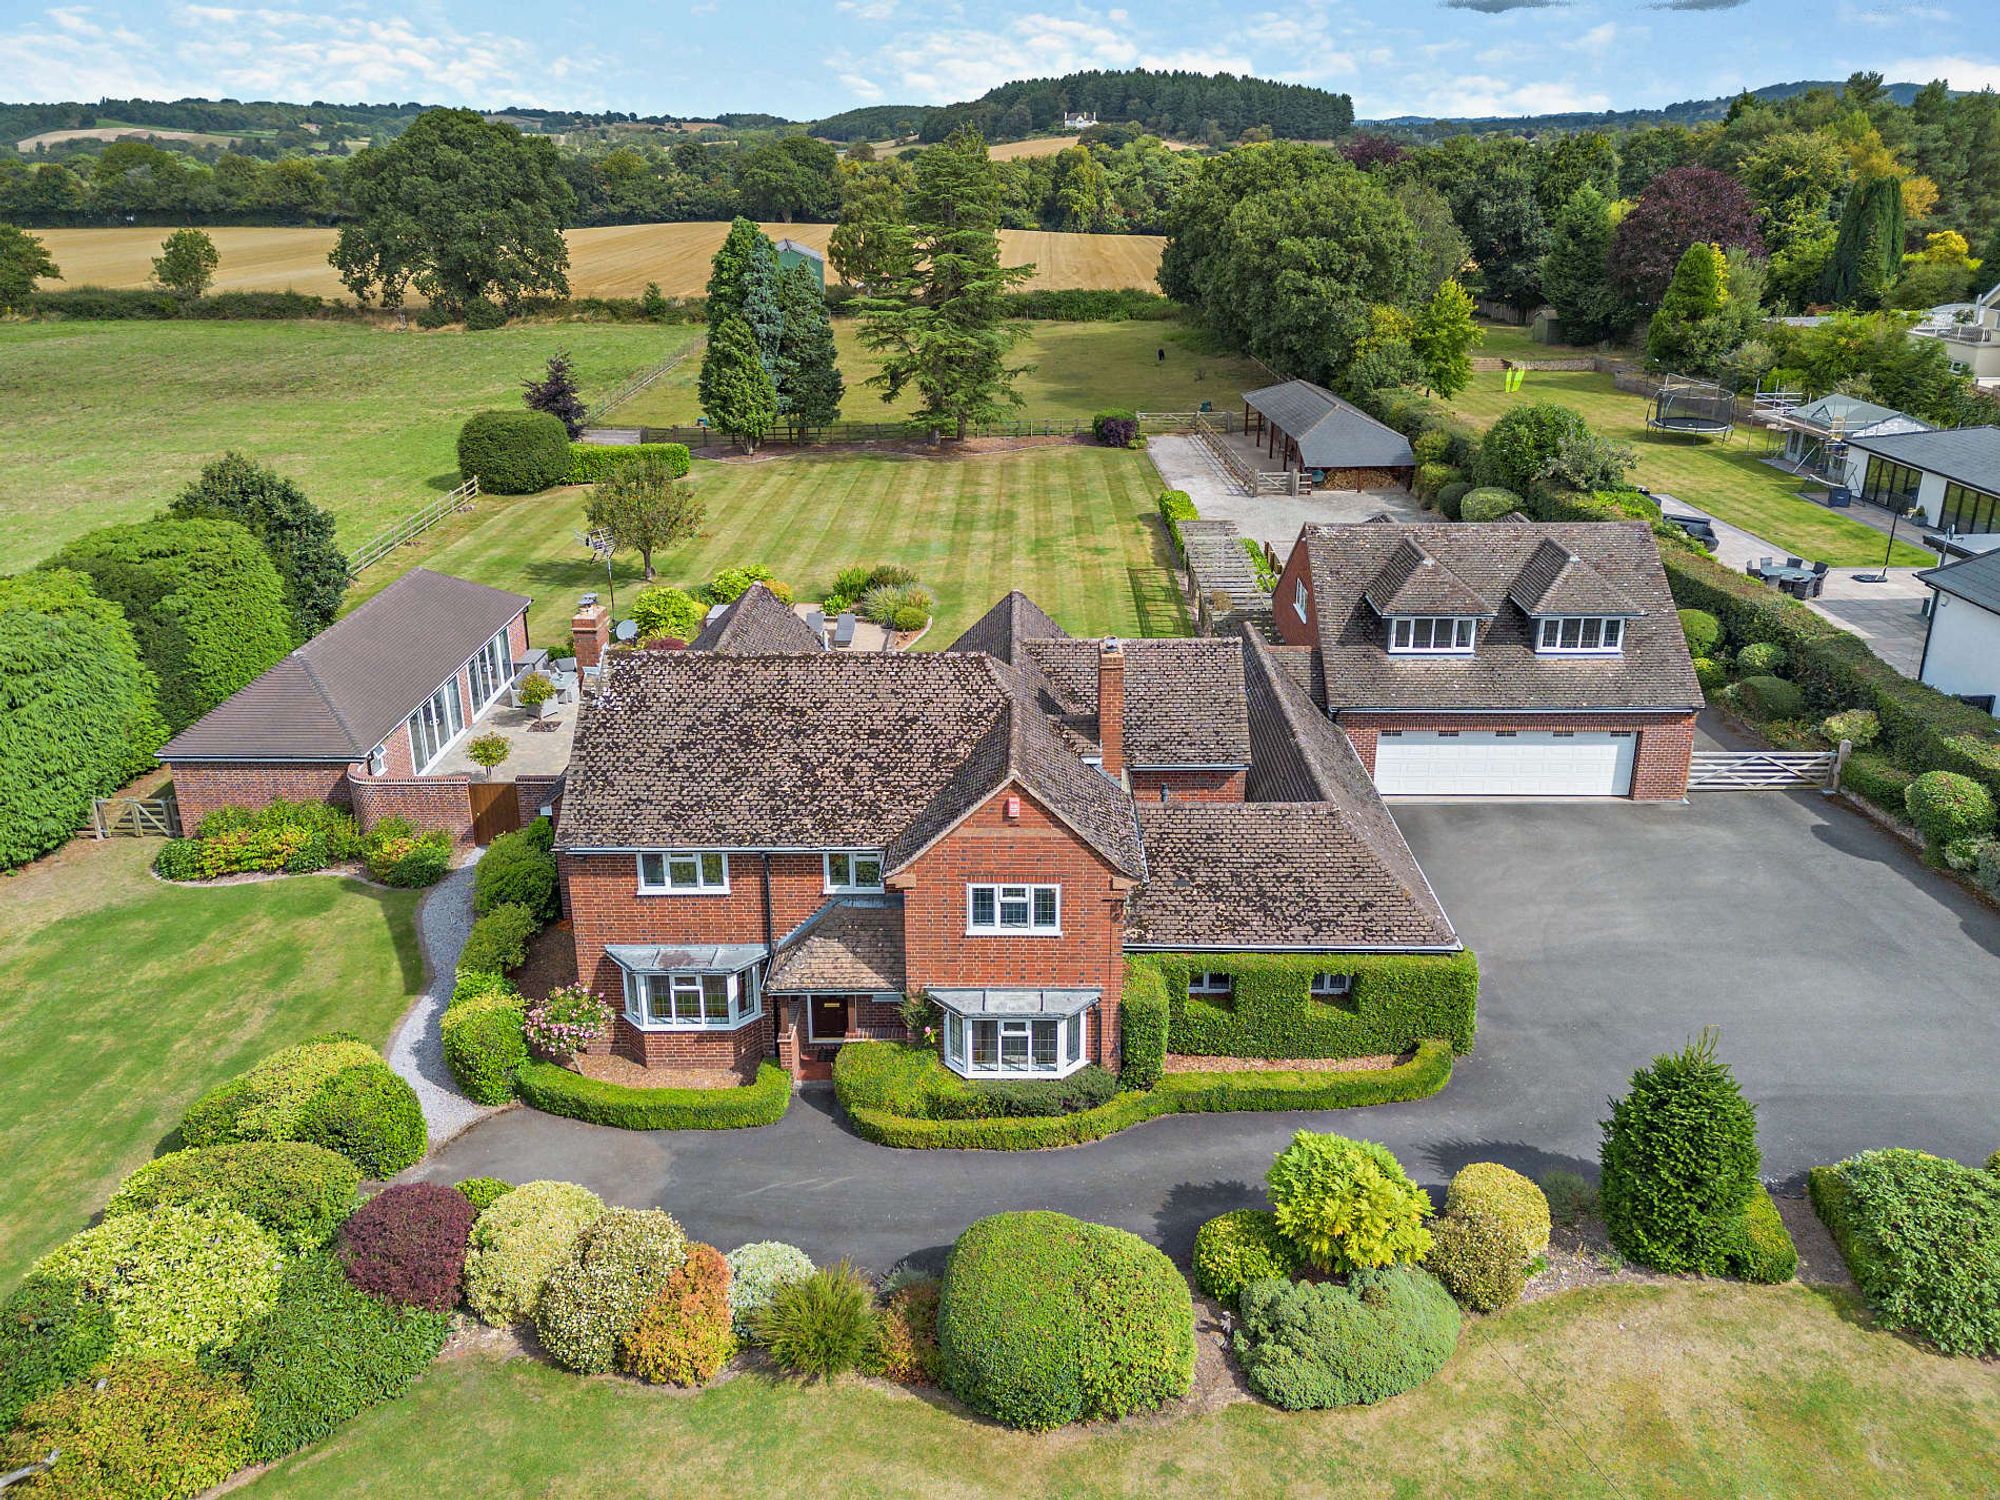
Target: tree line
(1213, 108)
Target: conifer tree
(736, 391)
(1675, 339)
(808, 374)
(1574, 274)
(1868, 254)
(760, 302)
(729, 269)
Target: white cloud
(1598, 40)
(1961, 72)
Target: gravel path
(416, 1052)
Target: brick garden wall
(1659, 761)
(201, 787)
(431, 802)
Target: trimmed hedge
(300, 1192)
(1946, 806)
(1771, 698)
(1236, 1248)
(514, 452)
(1044, 1319)
(1513, 1201)
(79, 710)
(1767, 1253)
(372, 1117)
(591, 462)
(1177, 1094)
(206, 607)
(1176, 507)
(1305, 1345)
(518, 869)
(911, 1079)
(1488, 503)
(158, 1430)
(1143, 1021)
(1396, 1001)
(51, 1335)
(336, 1092)
(557, 1091)
(499, 940)
(481, 1033)
(1879, 780)
(325, 1353)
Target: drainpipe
(768, 939)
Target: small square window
(1209, 984)
(1332, 986)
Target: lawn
(1078, 369)
(1506, 341)
(1072, 524)
(126, 997)
(1726, 479)
(1688, 1389)
(106, 421)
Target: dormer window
(1580, 635)
(1431, 634)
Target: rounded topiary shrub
(178, 1281)
(1044, 1319)
(371, 1116)
(159, 1429)
(1477, 1258)
(756, 1271)
(1771, 697)
(513, 452)
(1317, 1344)
(1347, 1204)
(407, 1244)
(1703, 631)
(51, 1335)
(1680, 1163)
(298, 1191)
(1712, 675)
(327, 1351)
(1451, 496)
(1946, 806)
(1238, 1247)
(1761, 659)
(1488, 503)
(482, 1192)
(482, 1038)
(1860, 727)
(1513, 1201)
(683, 1337)
(266, 1102)
(520, 1239)
(594, 1295)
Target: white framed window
(1332, 986)
(954, 1039)
(682, 871)
(853, 870)
(692, 1002)
(490, 670)
(378, 760)
(1580, 635)
(435, 725)
(1211, 985)
(1025, 1046)
(1013, 908)
(1299, 597)
(1432, 634)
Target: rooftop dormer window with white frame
(1580, 635)
(1431, 635)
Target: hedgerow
(1395, 1001)
(1144, 1022)
(557, 1091)
(518, 869)
(591, 462)
(499, 940)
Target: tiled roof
(1503, 671)
(1412, 582)
(1330, 433)
(344, 691)
(853, 945)
(701, 750)
(1004, 628)
(758, 623)
(1272, 874)
(1964, 455)
(1183, 697)
(1557, 582)
(1973, 579)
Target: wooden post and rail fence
(412, 526)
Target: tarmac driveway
(1858, 997)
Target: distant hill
(1688, 112)
(1188, 106)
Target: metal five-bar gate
(1756, 770)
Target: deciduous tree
(646, 509)
(1443, 337)
(1686, 206)
(186, 263)
(23, 258)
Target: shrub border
(1177, 1094)
(558, 1091)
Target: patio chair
(1793, 562)
(1816, 586)
(1765, 564)
(843, 630)
(1750, 568)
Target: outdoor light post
(1887, 553)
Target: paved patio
(1185, 464)
(531, 751)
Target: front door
(828, 1018)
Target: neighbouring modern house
(1970, 331)
(1299, 425)
(1950, 478)
(764, 849)
(1818, 432)
(1962, 642)
(1495, 659)
(374, 713)
(798, 253)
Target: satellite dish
(628, 630)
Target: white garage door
(1496, 763)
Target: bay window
(688, 1001)
(677, 871)
(1013, 908)
(1431, 633)
(1014, 1033)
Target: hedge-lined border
(558, 1091)
(1833, 1201)
(1177, 1094)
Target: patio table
(1779, 574)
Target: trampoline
(1698, 408)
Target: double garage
(1505, 762)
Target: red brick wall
(739, 1050)
(1293, 631)
(1659, 764)
(201, 787)
(1188, 786)
(1035, 847)
(517, 635)
(535, 792)
(429, 802)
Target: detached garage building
(1505, 659)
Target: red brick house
(367, 714)
(1495, 659)
(763, 850)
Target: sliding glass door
(435, 725)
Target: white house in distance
(1962, 645)
(1971, 333)
(1951, 479)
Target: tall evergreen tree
(1678, 336)
(1574, 274)
(737, 395)
(760, 302)
(729, 270)
(1868, 255)
(296, 534)
(558, 394)
(870, 246)
(943, 328)
(808, 374)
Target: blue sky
(694, 57)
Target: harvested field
(614, 261)
(114, 132)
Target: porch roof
(693, 958)
(1016, 1002)
(852, 945)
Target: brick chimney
(1111, 705)
(590, 628)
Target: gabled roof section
(344, 691)
(1412, 582)
(1007, 626)
(1330, 433)
(1558, 582)
(852, 945)
(758, 623)
(1183, 697)
(1973, 579)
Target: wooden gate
(496, 809)
(134, 817)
